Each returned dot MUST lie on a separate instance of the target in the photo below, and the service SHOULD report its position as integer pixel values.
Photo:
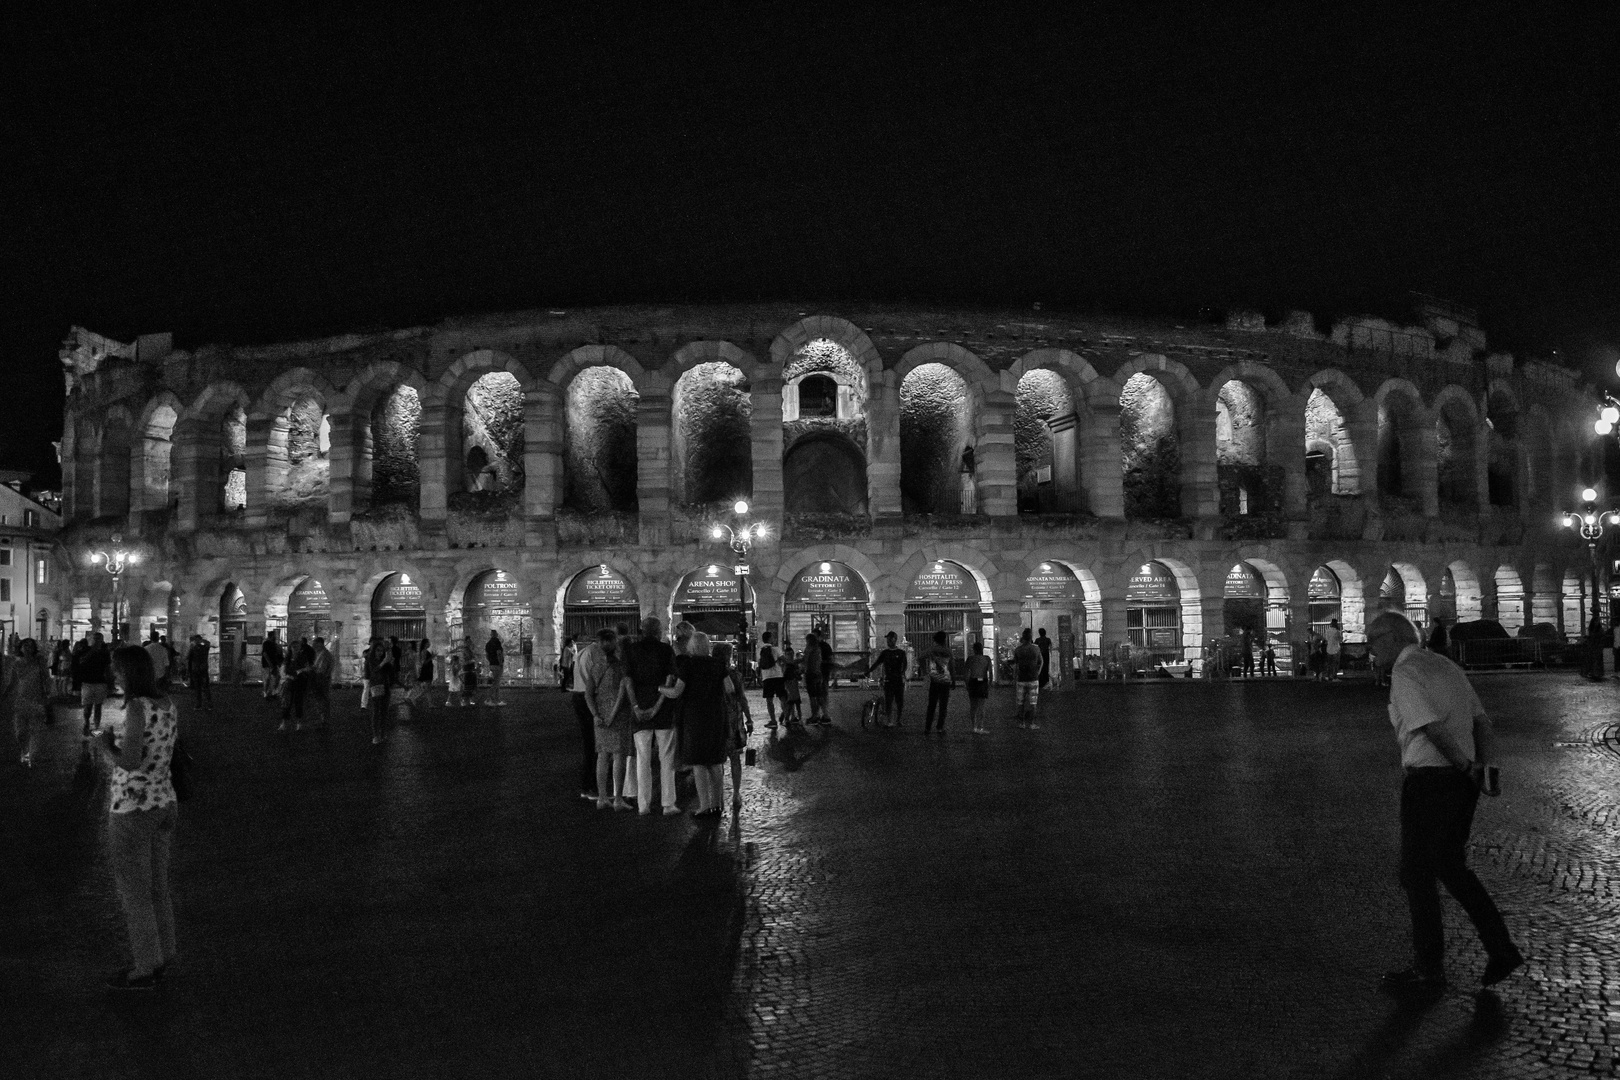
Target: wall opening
(824, 473)
(1399, 444)
(1502, 444)
(831, 598)
(711, 444)
(1044, 450)
(1150, 449)
(298, 459)
(398, 609)
(492, 434)
(1455, 449)
(599, 441)
(935, 430)
(396, 430)
(233, 461)
(1246, 482)
(157, 458)
(1329, 453)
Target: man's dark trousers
(939, 694)
(1437, 812)
(894, 700)
(587, 736)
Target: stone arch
(651, 597)
(1154, 450)
(1045, 451)
(1457, 439)
(971, 559)
(711, 434)
(937, 431)
(469, 570)
(1353, 602)
(1333, 402)
(1191, 599)
(112, 498)
(1276, 605)
(377, 434)
(1403, 424)
(570, 364)
(792, 562)
(694, 353)
(796, 336)
(292, 418)
(972, 370)
(152, 453)
(599, 432)
(1251, 414)
(1577, 603)
(1504, 478)
(1414, 600)
(1085, 384)
(213, 470)
(1469, 596)
(445, 405)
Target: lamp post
(740, 539)
(115, 563)
(1589, 520)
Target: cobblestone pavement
(1179, 880)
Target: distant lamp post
(115, 563)
(1590, 521)
(1608, 416)
(740, 538)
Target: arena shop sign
(713, 587)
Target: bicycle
(872, 710)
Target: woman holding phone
(142, 816)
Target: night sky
(248, 173)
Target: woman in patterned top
(140, 827)
(28, 689)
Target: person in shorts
(977, 675)
(1027, 672)
(770, 675)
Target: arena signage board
(1243, 582)
(827, 583)
(1153, 583)
(398, 593)
(1052, 581)
(309, 599)
(600, 586)
(1324, 584)
(943, 583)
(495, 589)
(713, 586)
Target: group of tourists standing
(641, 698)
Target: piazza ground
(1169, 879)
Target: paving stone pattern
(1179, 880)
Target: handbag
(180, 770)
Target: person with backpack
(770, 675)
(941, 680)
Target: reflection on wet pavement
(1176, 880)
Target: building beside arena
(545, 473)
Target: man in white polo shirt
(1445, 741)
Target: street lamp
(115, 564)
(740, 539)
(1590, 523)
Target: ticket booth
(715, 600)
(1055, 602)
(830, 596)
(945, 596)
(309, 612)
(233, 627)
(494, 601)
(596, 599)
(398, 610)
(1153, 612)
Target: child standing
(790, 687)
(978, 686)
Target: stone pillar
(198, 491)
(765, 428)
(1213, 623)
(432, 462)
(345, 645)
(542, 452)
(1065, 430)
(653, 460)
(1299, 630)
(1200, 482)
(1285, 446)
(997, 471)
(883, 444)
(340, 500)
(1113, 624)
(1362, 425)
(262, 460)
(1101, 471)
(889, 615)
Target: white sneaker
(376, 740)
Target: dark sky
(247, 173)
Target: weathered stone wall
(234, 461)
(308, 466)
(711, 438)
(825, 474)
(1150, 452)
(1042, 396)
(599, 441)
(933, 433)
(1240, 425)
(493, 425)
(396, 427)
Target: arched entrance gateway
(945, 596)
(397, 609)
(232, 635)
(715, 600)
(1246, 603)
(494, 601)
(597, 598)
(1153, 612)
(1055, 601)
(1325, 598)
(309, 612)
(831, 596)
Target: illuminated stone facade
(1048, 461)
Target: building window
(5, 589)
(30, 519)
(41, 574)
(5, 556)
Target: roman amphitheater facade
(546, 472)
